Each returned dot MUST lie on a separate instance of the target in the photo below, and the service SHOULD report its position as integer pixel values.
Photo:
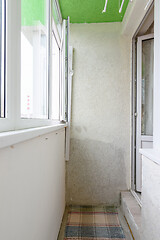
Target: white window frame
(3, 47)
(13, 120)
(140, 139)
(64, 89)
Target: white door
(144, 122)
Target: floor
(120, 217)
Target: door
(144, 115)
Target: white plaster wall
(99, 166)
(32, 188)
(150, 200)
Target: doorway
(142, 97)
(144, 114)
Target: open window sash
(57, 17)
(64, 77)
(70, 75)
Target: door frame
(133, 108)
(139, 137)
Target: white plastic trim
(146, 7)
(13, 137)
(151, 154)
(136, 197)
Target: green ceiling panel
(32, 11)
(90, 11)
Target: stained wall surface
(99, 166)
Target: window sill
(18, 136)
(151, 154)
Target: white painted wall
(150, 200)
(151, 157)
(32, 188)
(99, 166)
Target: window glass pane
(55, 79)
(56, 17)
(2, 58)
(34, 59)
(147, 86)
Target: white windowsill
(151, 154)
(14, 137)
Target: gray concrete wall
(99, 166)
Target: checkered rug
(93, 223)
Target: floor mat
(93, 223)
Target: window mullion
(50, 62)
(13, 61)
